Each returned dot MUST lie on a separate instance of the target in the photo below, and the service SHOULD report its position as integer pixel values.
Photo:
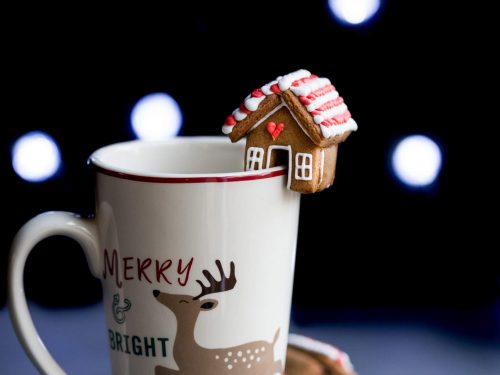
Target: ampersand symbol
(119, 311)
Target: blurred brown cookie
(306, 356)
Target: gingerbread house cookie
(306, 356)
(297, 119)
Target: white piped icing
(286, 81)
(307, 88)
(332, 131)
(226, 129)
(252, 103)
(266, 89)
(318, 95)
(322, 100)
(332, 112)
(321, 348)
(322, 166)
(238, 115)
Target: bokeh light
(417, 160)
(354, 12)
(156, 117)
(36, 157)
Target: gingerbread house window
(255, 157)
(303, 166)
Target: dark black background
(365, 244)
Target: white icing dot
(226, 359)
(263, 349)
(256, 351)
(258, 359)
(229, 354)
(229, 367)
(249, 365)
(248, 351)
(240, 353)
(235, 360)
(244, 359)
(252, 357)
(252, 104)
(217, 357)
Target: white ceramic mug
(196, 259)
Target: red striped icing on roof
(318, 95)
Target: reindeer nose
(156, 293)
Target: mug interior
(177, 157)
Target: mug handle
(84, 231)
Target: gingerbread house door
(273, 159)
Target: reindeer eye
(207, 305)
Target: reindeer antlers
(225, 284)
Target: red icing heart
(271, 127)
(275, 129)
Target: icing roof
(318, 96)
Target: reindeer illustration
(254, 358)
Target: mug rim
(96, 162)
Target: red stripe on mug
(189, 180)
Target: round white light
(354, 12)
(156, 117)
(36, 157)
(416, 160)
